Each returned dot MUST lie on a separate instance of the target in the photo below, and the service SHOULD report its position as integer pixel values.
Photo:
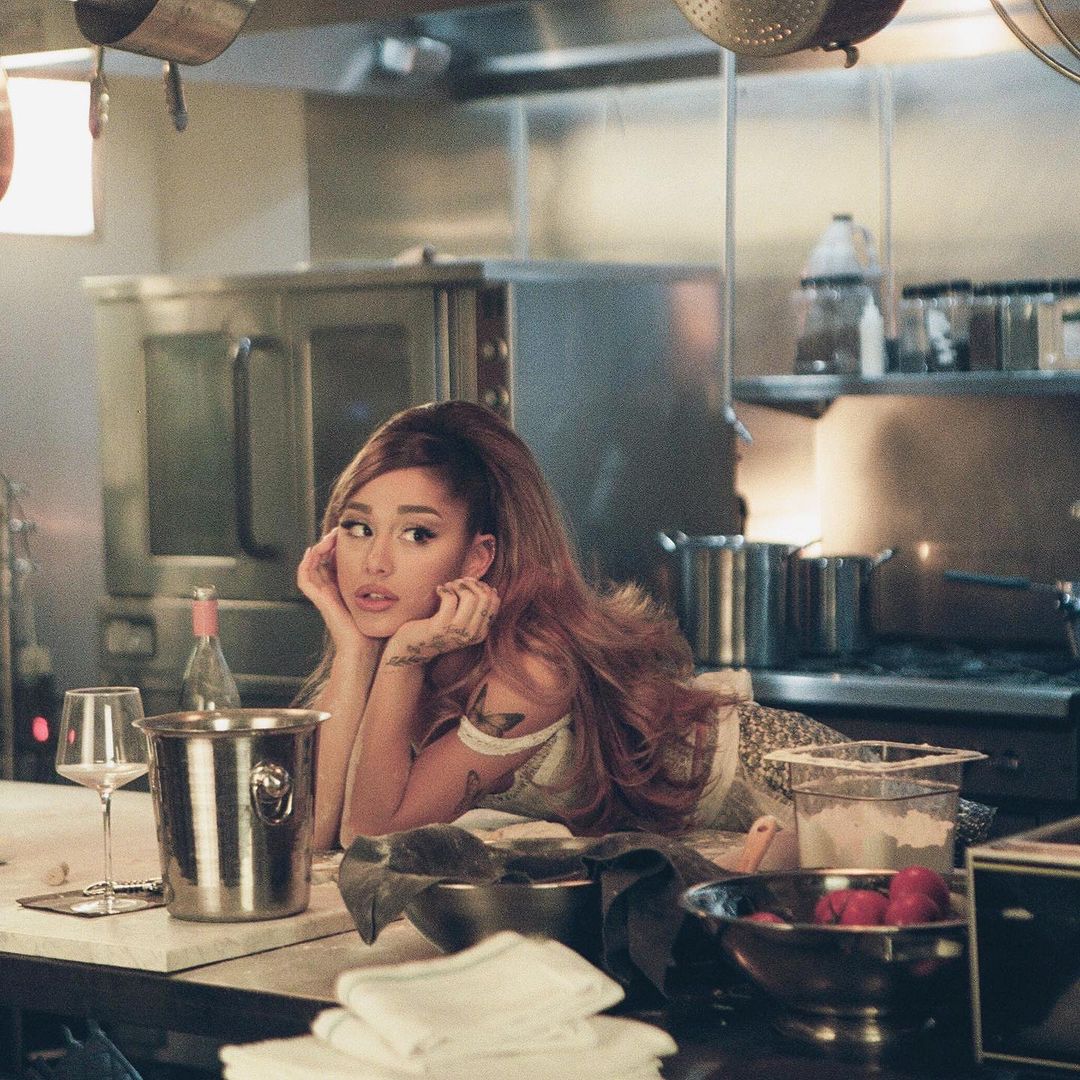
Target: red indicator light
(39, 728)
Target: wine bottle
(208, 684)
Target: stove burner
(924, 660)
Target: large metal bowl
(454, 916)
(856, 989)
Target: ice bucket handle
(271, 792)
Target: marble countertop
(309, 970)
(45, 825)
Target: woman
(469, 664)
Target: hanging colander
(778, 27)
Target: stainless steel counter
(1021, 709)
(800, 689)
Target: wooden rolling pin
(758, 838)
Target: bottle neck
(204, 618)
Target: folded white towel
(505, 984)
(625, 1050)
(351, 1035)
(605, 1046)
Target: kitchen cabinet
(811, 395)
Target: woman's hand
(316, 577)
(466, 610)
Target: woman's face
(399, 536)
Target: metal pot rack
(8, 493)
(1032, 46)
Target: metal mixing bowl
(853, 988)
(454, 916)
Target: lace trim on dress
(501, 746)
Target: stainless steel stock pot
(733, 599)
(833, 602)
(234, 800)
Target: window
(52, 184)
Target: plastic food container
(880, 805)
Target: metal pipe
(519, 153)
(727, 341)
(886, 103)
(7, 672)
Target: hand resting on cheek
(467, 608)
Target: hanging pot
(176, 31)
(181, 31)
(7, 136)
(778, 27)
(833, 600)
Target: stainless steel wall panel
(984, 186)
(386, 176)
(627, 173)
(616, 389)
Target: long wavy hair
(641, 731)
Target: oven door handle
(245, 531)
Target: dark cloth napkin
(641, 875)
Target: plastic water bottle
(208, 683)
(871, 341)
(846, 248)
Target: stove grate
(947, 660)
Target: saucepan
(1066, 592)
(833, 602)
(778, 27)
(176, 31)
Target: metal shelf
(811, 395)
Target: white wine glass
(98, 747)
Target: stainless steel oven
(229, 405)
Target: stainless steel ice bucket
(234, 795)
(733, 599)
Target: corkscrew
(149, 885)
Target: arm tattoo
(413, 655)
(421, 654)
(472, 789)
(496, 724)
